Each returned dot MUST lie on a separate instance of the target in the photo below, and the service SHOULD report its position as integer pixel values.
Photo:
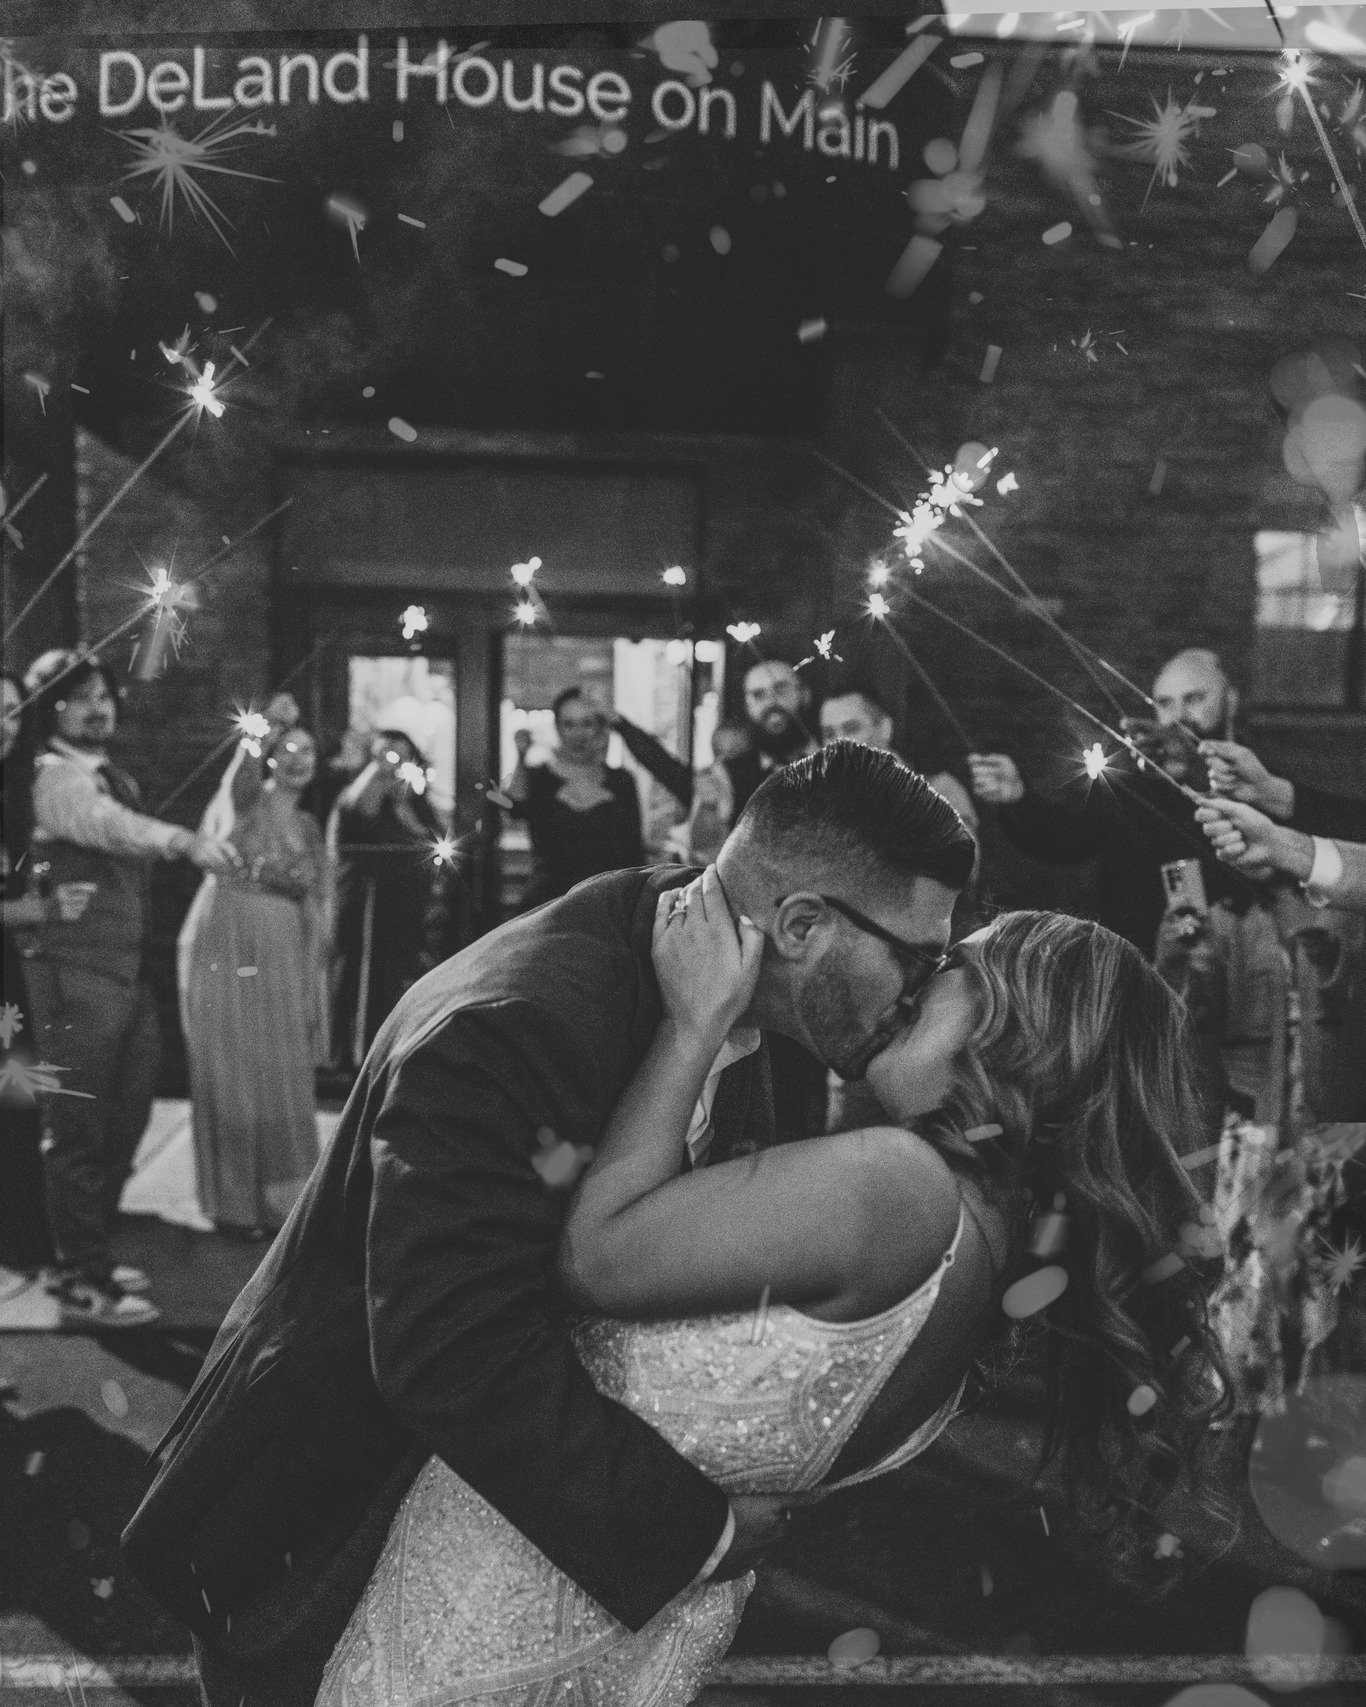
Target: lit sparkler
(26, 1081)
(833, 63)
(743, 633)
(824, 645)
(1161, 141)
(1095, 760)
(174, 162)
(444, 850)
(878, 605)
(253, 728)
(675, 577)
(879, 573)
(414, 775)
(203, 392)
(524, 573)
(414, 622)
(1297, 74)
(525, 613)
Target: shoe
(84, 1303)
(130, 1279)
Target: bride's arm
(825, 1221)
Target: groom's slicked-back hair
(854, 806)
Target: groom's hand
(761, 1522)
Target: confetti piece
(756, 1333)
(1163, 1269)
(853, 1648)
(989, 364)
(398, 130)
(246, 971)
(1043, 1519)
(566, 193)
(1168, 1547)
(83, 389)
(1050, 1236)
(1182, 1345)
(401, 430)
(593, 374)
(204, 1597)
(987, 1584)
(30, 167)
(1058, 233)
(1007, 483)
(34, 1463)
(917, 258)
(1273, 240)
(719, 238)
(810, 330)
(369, 391)
(1159, 478)
(899, 73)
(207, 304)
(1227, 178)
(115, 1399)
(962, 61)
(77, 1535)
(1282, 1622)
(1141, 1400)
(974, 297)
(975, 1134)
(102, 1586)
(1035, 1292)
(123, 210)
(513, 269)
(241, 358)
(408, 219)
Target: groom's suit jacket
(407, 1309)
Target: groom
(406, 1308)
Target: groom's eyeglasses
(917, 965)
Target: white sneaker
(130, 1279)
(86, 1303)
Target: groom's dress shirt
(408, 1308)
(739, 1043)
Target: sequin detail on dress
(463, 1608)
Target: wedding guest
(583, 814)
(251, 962)
(1331, 873)
(856, 714)
(93, 1010)
(25, 1239)
(393, 918)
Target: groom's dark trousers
(407, 1308)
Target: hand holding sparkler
(1251, 843)
(996, 780)
(1237, 773)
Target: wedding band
(679, 910)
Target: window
(1309, 640)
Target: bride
(806, 1318)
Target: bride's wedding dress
(463, 1608)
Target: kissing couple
(490, 1424)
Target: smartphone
(1172, 746)
(1184, 883)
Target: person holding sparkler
(1131, 821)
(392, 910)
(94, 1011)
(252, 974)
(1331, 873)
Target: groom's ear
(797, 917)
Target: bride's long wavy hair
(1079, 1055)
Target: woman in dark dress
(583, 815)
(396, 907)
(25, 1240)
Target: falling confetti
(408, 219)
(397, 131)
(513, 269)
(1043, 1519)
(962, 61)
(1141, 1400)
(33, 1464)
(123, 210)
(719, 238)
(401, 430)
(564, 194)
(853, 1648)
(103, 1587)
(810, 331)
(990, 362)
(917, 258)
(899, 72)
(172, 161)
(1273, 240)
(1034, 1292)
(976, 1134)
(987, 1584)
(247, 971)
(1058, 233)
(1159, 478)
(1007, 483)
(207, 304)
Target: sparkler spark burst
(742, 633)
(525, 612)
(414, 622)
(1161, 141)
(174, 162)
(26, 1081)
(878, 606)
(444, 850)
(1343, 1265)
(824, 650)
(879, 573)
(413, 774)
(202, 392)
(1095, 760)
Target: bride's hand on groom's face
(706, 961)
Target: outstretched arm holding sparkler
(1237, 773)
(1333, 873)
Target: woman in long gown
(807, 1317)
(252, 986)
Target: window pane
(1301, 641)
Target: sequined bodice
(463, 1608)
